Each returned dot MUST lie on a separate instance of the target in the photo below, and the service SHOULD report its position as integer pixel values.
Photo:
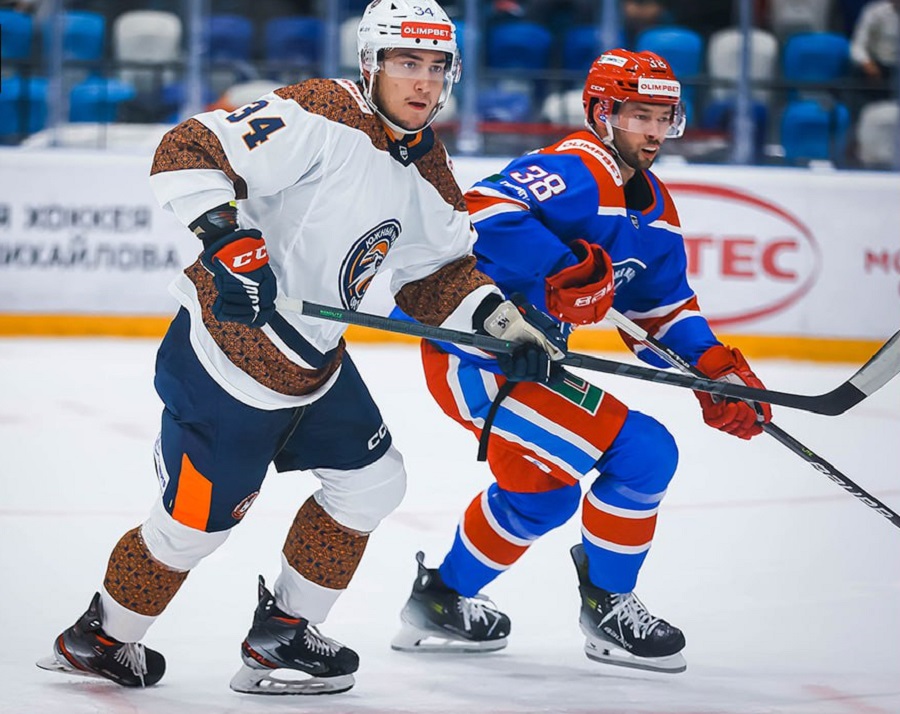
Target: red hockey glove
(733, 416)
(243, 277)
(581, 294)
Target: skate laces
(475, 609)
(627, 610)
(133, 656)
(318, 643)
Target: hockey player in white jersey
(304, 193)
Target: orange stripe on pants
(616, 529)
(489, 542)
(193, 498)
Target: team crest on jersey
(624, 271)
(241, 509)
(363, 261)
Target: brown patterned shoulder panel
(432, 299)
(339, 102)
(434, 168)
(191, 145)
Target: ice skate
(86, 650)
(283, 654)
(438, 619)
(619, 630)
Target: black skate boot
(85, 649)
(619, 629)
(283, 654)
(436, 618)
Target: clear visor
(408, 67)
(650, 119)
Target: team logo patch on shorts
(363, 261)
(241, 509)
(580, 392)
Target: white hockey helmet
(413, 24)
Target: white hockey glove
(541, 340)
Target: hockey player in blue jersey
(577, 227)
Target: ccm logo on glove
(246, 285)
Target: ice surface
(787, 588)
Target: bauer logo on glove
(581, 294)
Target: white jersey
(336, 198)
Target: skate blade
(412, 639)
(54, 664)
(671, 664)
(287, 681)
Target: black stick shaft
(779, 434)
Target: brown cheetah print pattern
(136, 580)
(330, 100)
(432, 299)
(251, 351)
(190, 145)
(321, 550)
(435, 169)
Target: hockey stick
(816, 461)
(872, 376)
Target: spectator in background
(703, 17)
(873, 49)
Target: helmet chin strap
(608, 141)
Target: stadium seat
(814, 131)
(84, 35)
(230, 37)
(503, 105)
(787, 17)
(519, 45)
(243, 93)
(564, 108)
(151, 38)
(877, 130)
(581, 46)
(23, 107)
(681, 47)
(815, 57)
(294, 39)
(349, 62)
(15, 35)
(723, 60)
(718, 116)
(98, 100)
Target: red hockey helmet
(620, 75)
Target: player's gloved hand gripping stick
(244, 280)
(760, 415)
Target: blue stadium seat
(519, 45)
(500, 105)
(84, 35)
(815, 57)
(23, 107)
(295, 38)
(98, 100)
(581, 46)
(230, 37)
(681, 47)
(718, 115)
(812, 130)
(16, 29)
